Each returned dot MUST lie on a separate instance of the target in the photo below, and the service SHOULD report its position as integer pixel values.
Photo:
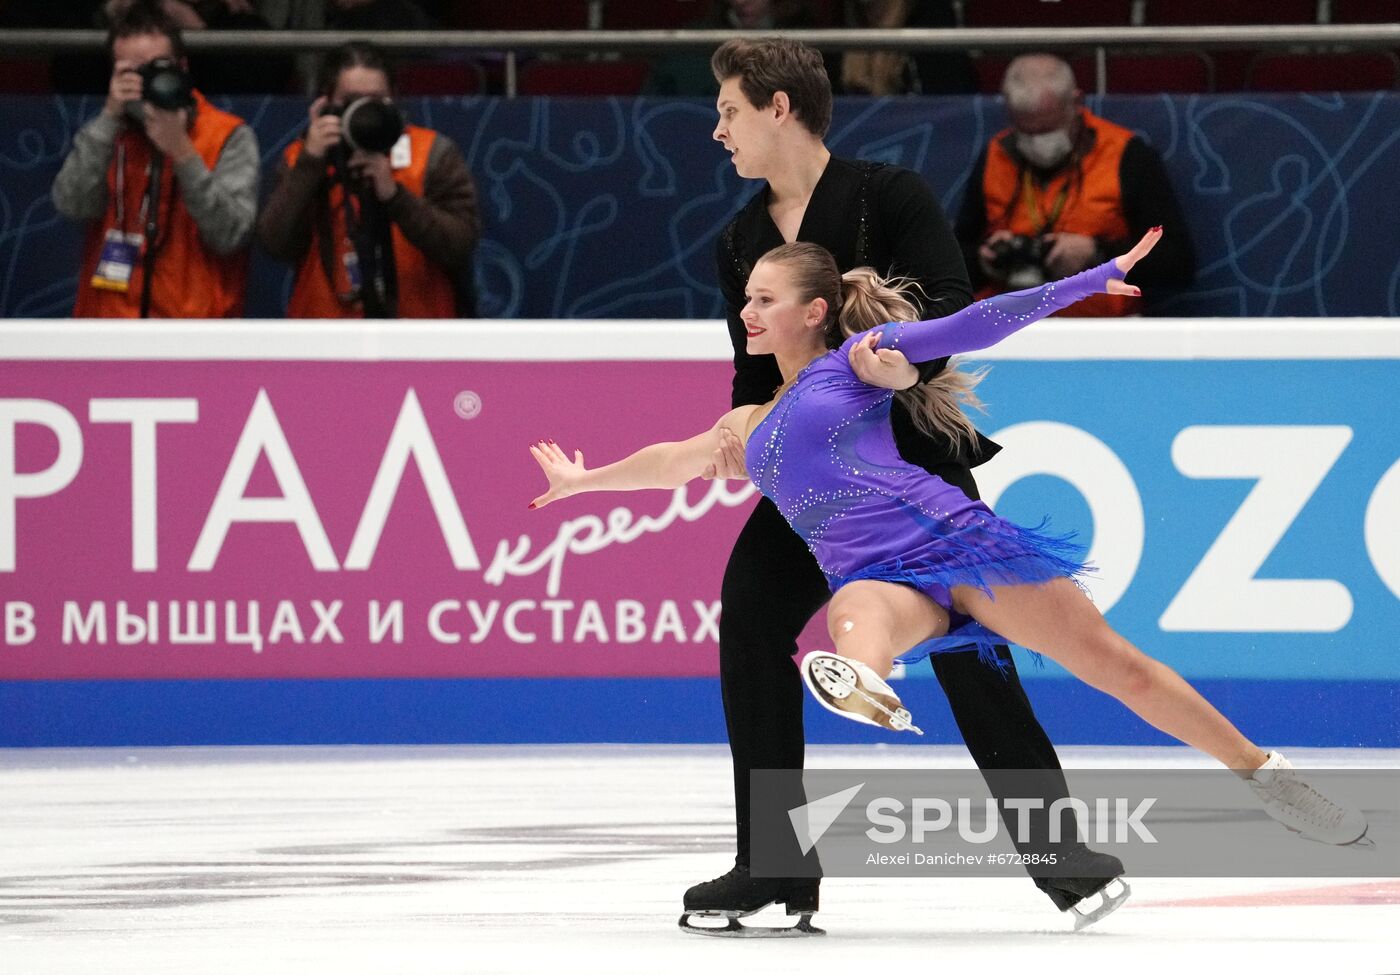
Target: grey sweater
(223, 202)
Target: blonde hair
(859, 300)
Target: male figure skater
(774, 109)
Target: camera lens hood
(371, 125)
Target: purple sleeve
(987, 322)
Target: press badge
(401, 155)
(120, 252)
(351, 261)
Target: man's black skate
(1094, 893)
(737, 895)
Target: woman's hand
(885, 368)
(322, 131)
(563, 474)
(1125, 263)
(374, 169)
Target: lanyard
(121, 190)
(1033, 203)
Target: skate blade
(891, 719)
(1109, 901)
(856, 700)
(733, 929)
(1362, 842)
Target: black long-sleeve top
(868, 215)
(1148, 201)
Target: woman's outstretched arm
(661, 465)
(987, 322)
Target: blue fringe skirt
(989, 552)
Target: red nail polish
(1138, 292)
(532, 505)
(1158, 228)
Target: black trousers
(772, 587)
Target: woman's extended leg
(874, 622)
(870, 623)
(1056, 619)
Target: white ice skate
(1301, 808)
(851, 689)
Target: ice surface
(558, 859)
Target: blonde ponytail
(859, 300)
(869, 300)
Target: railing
(511, 43)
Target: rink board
(302, 532)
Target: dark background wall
(601, 208)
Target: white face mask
(1046, 150)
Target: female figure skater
(912, 562)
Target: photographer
(167, 183)
(1062, 190)
(379, 217)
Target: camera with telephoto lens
(165, 85)
(369, 124)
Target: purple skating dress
(825, 454)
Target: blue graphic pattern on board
(610, 207)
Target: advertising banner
(352, 519)
(313, 501)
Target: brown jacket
(435, 218)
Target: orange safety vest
(1093, 201)
(425, 288)
(190, 280)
